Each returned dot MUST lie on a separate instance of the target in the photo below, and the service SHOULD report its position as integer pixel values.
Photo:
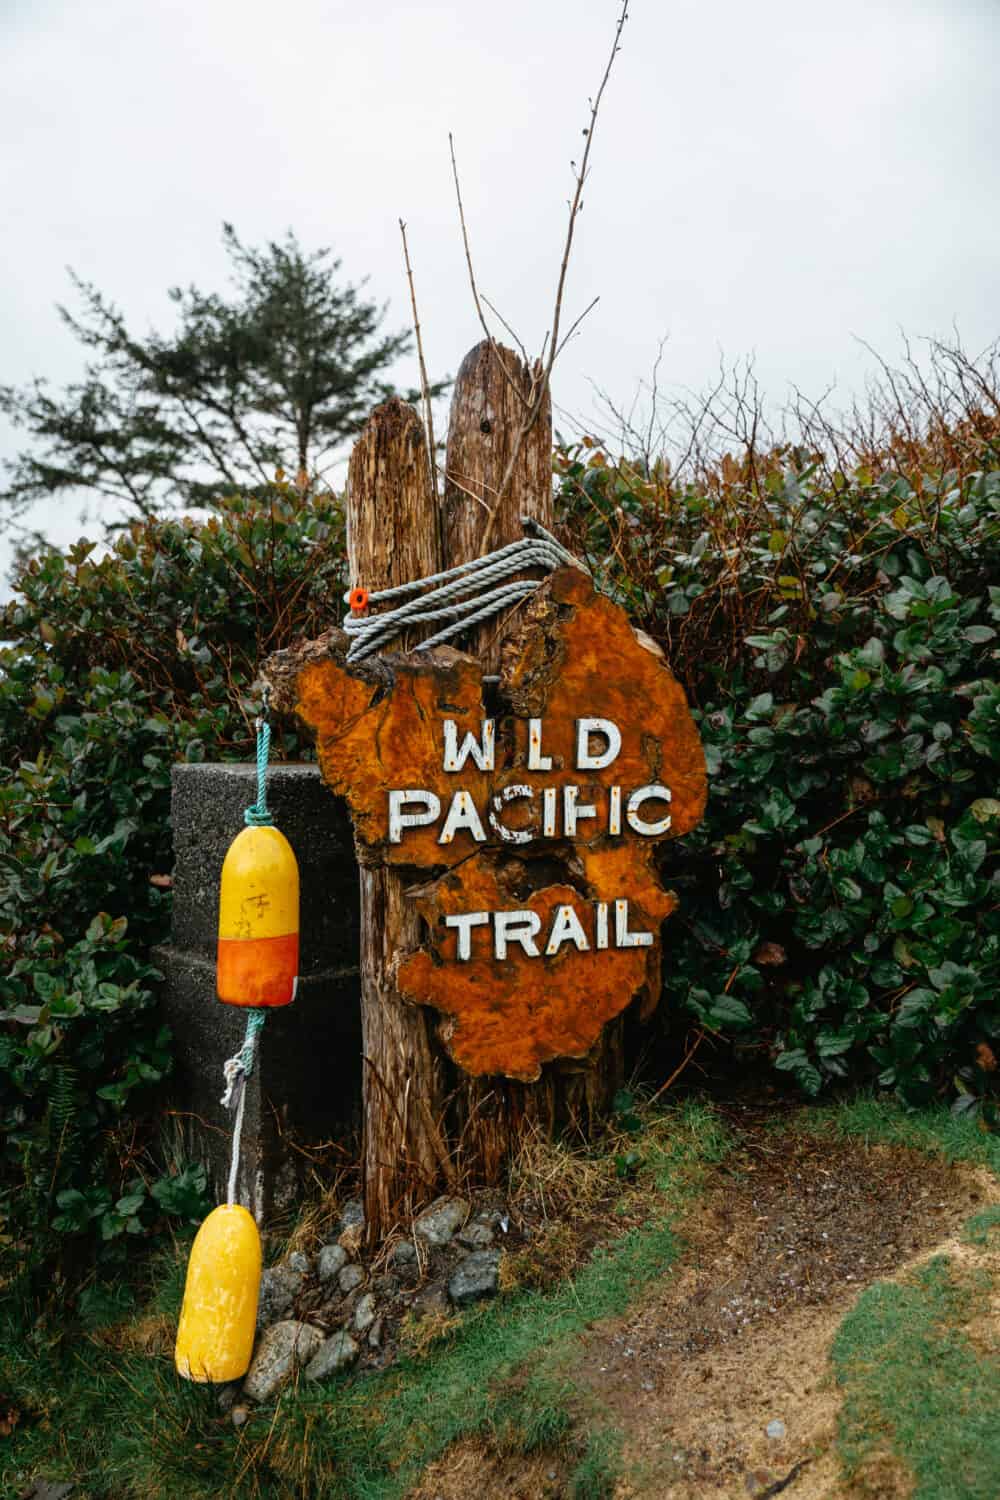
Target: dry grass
(418, 1334)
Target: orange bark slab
(511, 1015)
(381, 728)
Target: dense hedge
(836, 630)
(837, 634)
(119, 664)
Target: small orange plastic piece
(358, 600)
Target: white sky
(770, 179)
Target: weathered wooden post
(393, 536)
(505, 827)
(490, 403)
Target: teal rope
(255, 1024)
(258, 814)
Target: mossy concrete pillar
(306, 1088)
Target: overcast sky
(774, 179)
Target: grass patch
(981, 1226)
(124, 1427)
(595, 1475)
(917, 1391)
(937, 1132)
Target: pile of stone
(321, 1315)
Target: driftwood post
(393, 536)
(507, 802)
(491, 396)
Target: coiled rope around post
(237, 1069)
(537, 549)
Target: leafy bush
(836, 630)
(118, 665)
(832, 608)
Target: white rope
(234, 1164)
(538, 549)
(236, 1070)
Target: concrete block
(307, 1083)
(207, 805)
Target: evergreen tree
(274, 376)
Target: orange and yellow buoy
(258, 955)
(219, 1312)
(257, 968)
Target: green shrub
(118, 665)
(836, 632)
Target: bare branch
(575, 325)
(500, 318)
(512, 383)
(542, 373)
(425, 388)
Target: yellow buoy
(258, 955)
(219, 1312)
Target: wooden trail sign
(541, 812)
(506, 828)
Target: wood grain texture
(486, 417)
(393, 532)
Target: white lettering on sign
(398, 819)
(509, 794)
(516, 927)
(581, 930)
(624, 938)
(566, 928)
(573, 811)
(462, 814)
(568, 811)
(536, 760)
(483, 750)
(649, 830)
(465, 921)
(585, 759)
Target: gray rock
(282, 1349)
(350, 1277)
(332, 1260)
(432, 1299)
(364, 1313)
(337, 1353)
(375, 1333)
(475, 1236)
(437, 1224)
(239, 1415)
(477, 1278)
(776, 1429)
(227, 1395)
(279, 1287)
(403, 1253)
(352, 1213)
(385, 1286)
(300, 1262)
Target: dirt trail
(737, 1337)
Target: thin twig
(575, 325)
(699, 1038)
(425, 388)
(500, 318)
(541, 375)
(512, 383)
